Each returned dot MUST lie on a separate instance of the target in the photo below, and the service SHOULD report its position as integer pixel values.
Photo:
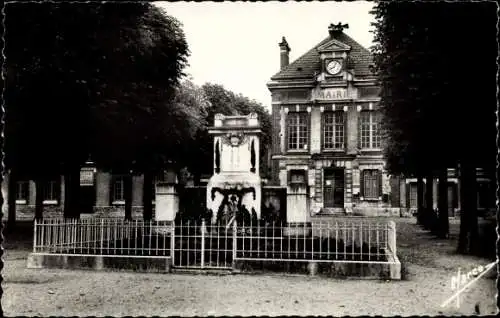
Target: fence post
(34, 237)
(172, 241)
(202, 243)
(392, 237)
(235, 227)
(102, 235)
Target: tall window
(297, 131)
(118, 189)
(369, 126)
(413, 195)
(22, 191)
(333, 130)
(51, 190)
(371, 183)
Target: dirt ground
(428, 265)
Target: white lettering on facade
(331, 94)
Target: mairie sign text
(330, 93)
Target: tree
(228, 103)
(188, 118)
(45, 102)
(94, 79)
(246, 106)
(404, 59)
(147, 129)
(428, 117)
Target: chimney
(335, 29)
(284, 51)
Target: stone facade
(486, 189)
(105, 199)
(325, 129)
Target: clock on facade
(333, 67)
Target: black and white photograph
(273, 158)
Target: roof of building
(309, 64)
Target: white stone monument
(235, 182)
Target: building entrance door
(333, 188)
(87, 197)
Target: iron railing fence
(204, 245)
(102, 236)
(352, 241)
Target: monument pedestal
(297, 211)
(167, 205)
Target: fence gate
(200, 245)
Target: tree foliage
(96, 79)
(438, 82)
(437, 68)
(221, 100)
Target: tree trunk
(462, 236)
(11, 199)
(128, 196)
(72, 208)
(147, 196)
(39, 198)
(420, 199)
(76, 193)
(472, 215)
(443, 203)
(429, 212)
(68, 196)
(468, 237)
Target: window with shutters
(51, 191)
(369, 130)
(22, 192)
(297, 130)
(118, 189)
(333, 130)
(413, 195)
(371, 184)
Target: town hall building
(325, 111)
(326, 134)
